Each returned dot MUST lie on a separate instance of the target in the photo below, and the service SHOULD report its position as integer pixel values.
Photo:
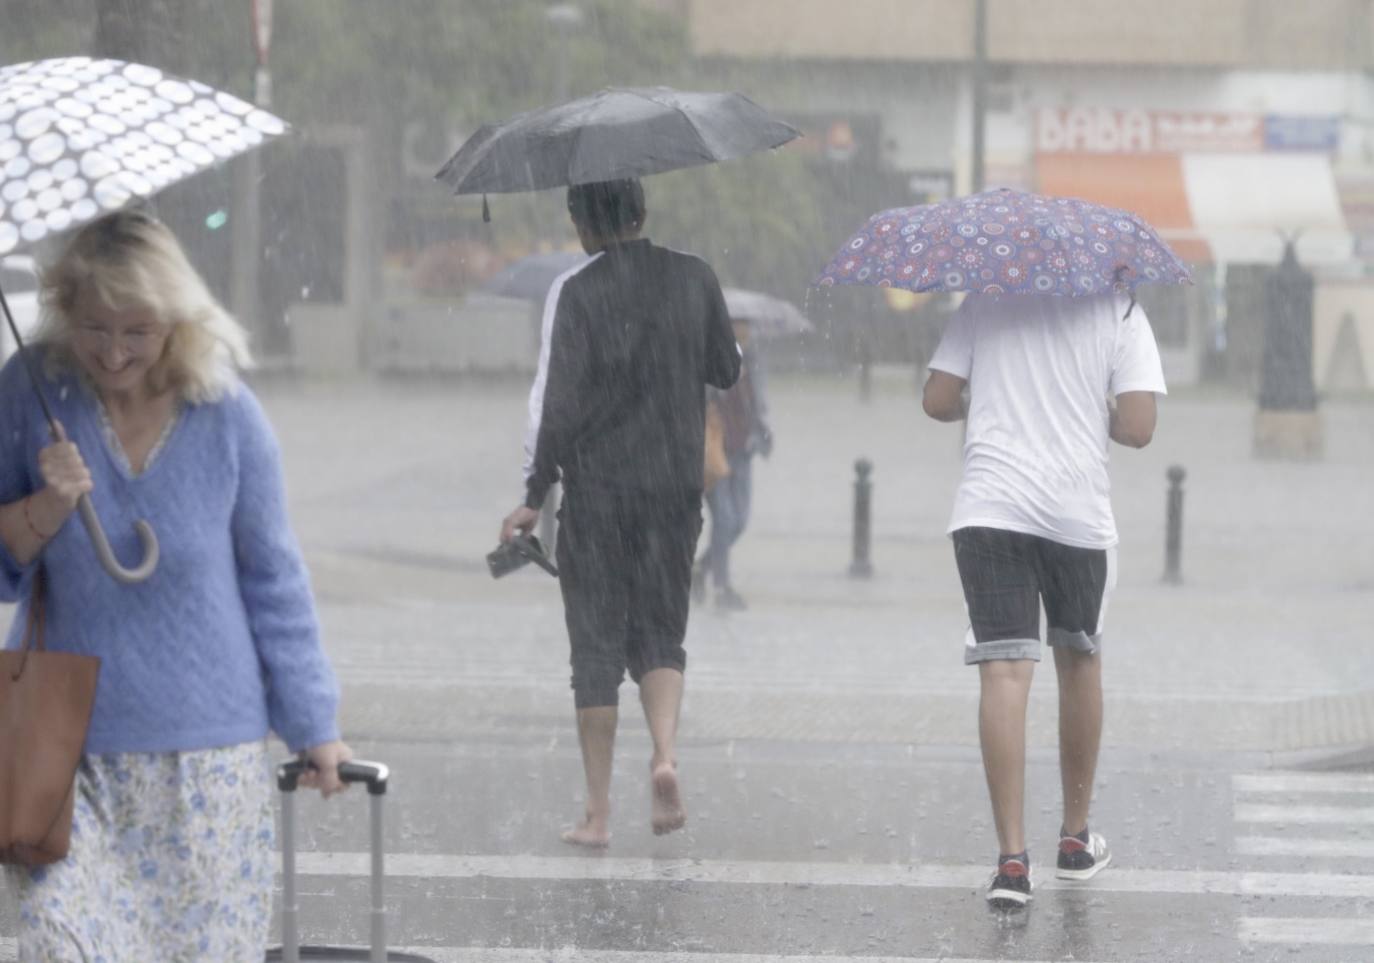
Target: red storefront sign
(1104, 130)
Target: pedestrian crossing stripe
(1348, 849)
(491, 954)
(1306, 930)
(1305, 815)
(1302, 782)
(929, 876)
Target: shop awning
(1150, 185)
(1246, 205)
(1230, 208)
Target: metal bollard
(862, 567)
(1173, 534)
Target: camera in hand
(517, 553)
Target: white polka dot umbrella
(81, 137)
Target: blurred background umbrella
(615, 133)
(1006, 242)
(530, 277)
(81, 137)
(766, 315)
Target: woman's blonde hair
(130, 259)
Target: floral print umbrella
(1006, 242)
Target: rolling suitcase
(375, 776)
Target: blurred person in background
(743, 412)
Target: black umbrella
(615, 133)
(80, 138)
(530, 278)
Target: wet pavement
(837, 805)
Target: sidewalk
(397, 490)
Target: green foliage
(756, 220)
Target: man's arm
(568, 362)
(1133, 418)
(943, 398)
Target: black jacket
(637, 335)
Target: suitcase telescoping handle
(375, 775)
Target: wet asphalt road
(837, 808)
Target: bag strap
(34, 636)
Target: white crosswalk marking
(1302, 782)
(791, 873)
(1290, 815)
(1307, 929)
(1290, 846)
(1334, 830)
(486, 954)
(489, 955)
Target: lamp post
(564, 18)
(247, 227)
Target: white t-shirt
(1040, 369)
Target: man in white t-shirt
(1050, 380)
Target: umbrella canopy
(82, 137)
(615, 133)
(1006, 242)
(767, 316)
(531, 277)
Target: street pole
(247, 222)
(980, 90)
(564, 17)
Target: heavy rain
(732, 481)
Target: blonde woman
(171, 854)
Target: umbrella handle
(105, 554)
(89, 518)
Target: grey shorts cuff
(1078, 641)
(598, 698)
(1008, 650)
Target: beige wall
(1329, 34)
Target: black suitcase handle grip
(375, 774)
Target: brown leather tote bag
(46, 700)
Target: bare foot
(591, 833)
(668, 814)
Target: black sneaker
(1011, 885)
(1080, 859)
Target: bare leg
(1080, 731)
(1002, 731)
(660, 691)
(596, 733)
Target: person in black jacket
(632, 337)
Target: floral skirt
(171, 860)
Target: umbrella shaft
(28, 363)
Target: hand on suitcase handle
(375, 774)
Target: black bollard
(1173, 534)
(862, 567)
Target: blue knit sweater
(222, 641)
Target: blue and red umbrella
(1006, 242)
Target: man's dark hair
(607, 208)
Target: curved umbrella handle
(106, 555)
